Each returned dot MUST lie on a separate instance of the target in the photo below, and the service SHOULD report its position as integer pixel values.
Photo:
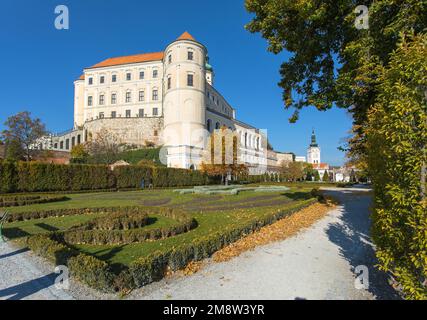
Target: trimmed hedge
(42, 177)
(22, 200)
(88, 233)
(153, 267)
(100, 275)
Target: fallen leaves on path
(280, 230)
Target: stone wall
(135, 131)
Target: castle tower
(313, 151)
(184, 101)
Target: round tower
(184, 101)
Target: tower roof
(186, 36)
(313, 140)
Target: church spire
(313, 140)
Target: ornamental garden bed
(122, 246)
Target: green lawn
(212, 213)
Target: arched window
(209, 125)
(257, 143)
(217, 126)
(246, 139)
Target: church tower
(313, 151)
(184, 102)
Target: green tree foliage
(21, 134)
(325, 177)
(79, 154)
(292, 171)
(397, 138)
(316, 175)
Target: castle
(165, 99)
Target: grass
(212, 212)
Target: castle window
(102, 79)
(141, 95)
(190, 55)
(217, 126)
(190, 80)
(113, 98)
(141, 75)
(55, 146)
(170, 58)
(90, 81)
(128, 97)
(127, 113)
(67, 144)
(101, 115)
(89, 101)
(209, 125)
(113, 114)
(141, 113)
(101, 100)
(155, 112)
(73, 142)
(79, 139)
(155, 73)
(128, 76)
(155, 95)
(61, 145)
(169, 82)
(113, 78)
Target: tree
(22, 134)
(332, 62)
(325, 177)
(221, 158)
(316, 175)
(79, 154)
(292, 171)
(104, 147)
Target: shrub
(92, 271)
(47, 247)
(22, 200)
(94, 232)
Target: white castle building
(164, 98)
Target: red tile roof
(145, 57)
(321, 166)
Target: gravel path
(21, 278)
(318, 263)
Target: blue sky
(40, 63)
